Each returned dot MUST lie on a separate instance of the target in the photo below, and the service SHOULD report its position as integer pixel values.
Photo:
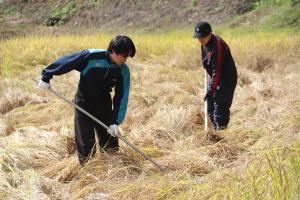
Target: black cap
(202, 29)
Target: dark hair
(122, 45)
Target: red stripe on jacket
(216, 79)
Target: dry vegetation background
(258, 159)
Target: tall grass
(258, 159)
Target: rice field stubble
(258, 158)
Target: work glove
(114, 130)
(43, 84)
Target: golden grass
(258, 158)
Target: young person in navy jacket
(100, 72)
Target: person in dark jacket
(219, 64)
(100, 72)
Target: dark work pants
(85, 128)
(218, 106)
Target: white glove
(43, 84)
(114, 130)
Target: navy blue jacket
(219, 64)
(98, 75)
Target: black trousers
(85, 128)
(218, 106)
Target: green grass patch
(276, 2)
(287, 17)
(66, 10)
(268, 17)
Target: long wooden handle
(205, 103)
(105, 126)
